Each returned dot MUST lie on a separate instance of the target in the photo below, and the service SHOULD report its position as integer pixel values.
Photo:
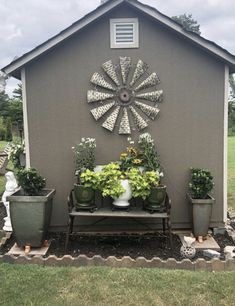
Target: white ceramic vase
(122, 201)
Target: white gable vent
(124, 33)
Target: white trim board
(225, 144)
(25, 112)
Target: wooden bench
(4, 158)
(106, 212)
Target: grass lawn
(35, 285)
(231, 172)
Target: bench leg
(170, 232)
(69, 232)
(164, 226)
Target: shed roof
(210, 47)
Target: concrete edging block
(125, 262)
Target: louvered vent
(124, 33)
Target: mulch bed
(146, 245)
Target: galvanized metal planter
(30, 217)
(202, 210)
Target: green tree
(17, 92)
(4, 104)
(188, 23)
(231, 106)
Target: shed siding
(188, 131)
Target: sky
(25, 24)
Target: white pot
(122, 201)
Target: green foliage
(2, 129)
(201, 183)
(90, 179)
(4, 104)
(232, 87)
(17, 92)
(188, 23)
(141, 183)
(148, 153)
(31, 181)
(15, 112)
(8, 135)
(17, 149)
(109, 180)
(84, 156)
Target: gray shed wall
(188, 131)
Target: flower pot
(156, 198)
(30, 217)
(85, 197)
(122, 200)
(202, 210)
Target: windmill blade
(140, 69)
(110, 70)
(139, 121)
(150, 111)
(125, 64)
(124, 128)
(94, 96)
(152, 80)
(99, 111)
(109, 123)
(98, 79)
(153, 96)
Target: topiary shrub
(201, 183)
(31, 181)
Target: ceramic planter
(122, 201)
(85, 197)
(30, 217)
(156, 198)
(202, 210)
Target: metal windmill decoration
(125, 95)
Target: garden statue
(11, 187)
(188, 250)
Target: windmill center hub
(125, 95)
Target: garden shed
(125, 68)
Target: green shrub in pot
(30, 209)
(200, 185)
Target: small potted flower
(150, 162)
(85, 160)
(30, 209)
(200, 185)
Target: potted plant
(111, 181)
(30, 209)
(17, 155)
(85, 160)
(150, 162)
(200, 185)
